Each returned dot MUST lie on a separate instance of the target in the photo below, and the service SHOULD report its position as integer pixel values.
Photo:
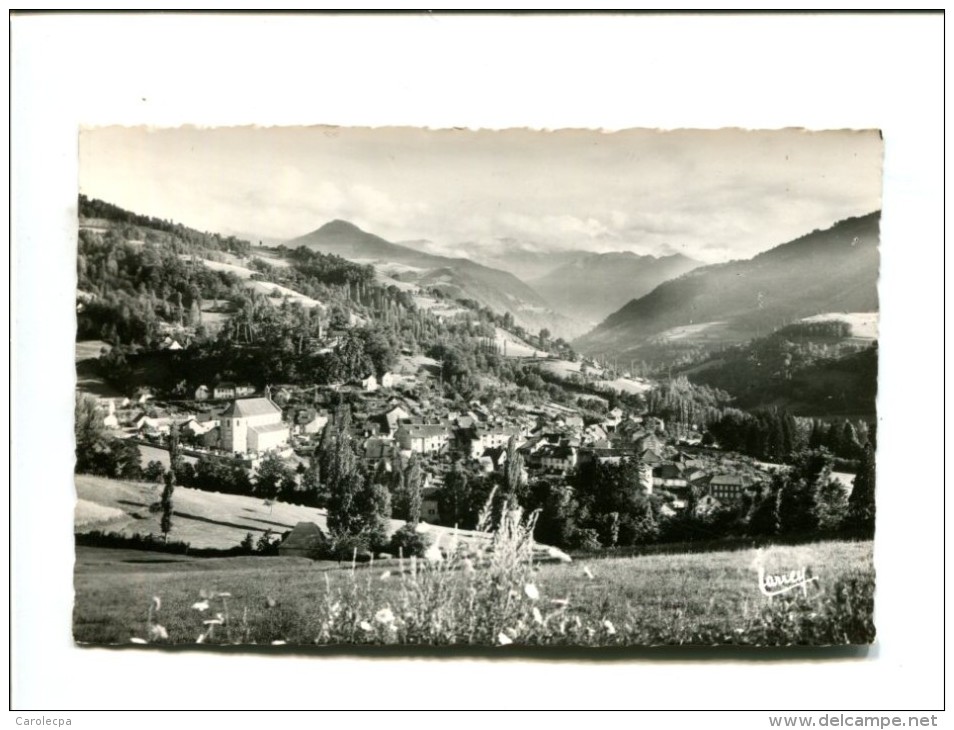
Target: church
(252, 424)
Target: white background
(543, 72)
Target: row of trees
(605, 505)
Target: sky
(712, 195)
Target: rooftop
(247, 407)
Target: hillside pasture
(262, 287)
(864, 325)
(701, 599)
(564, 369)
(512, 346)
(210, 519)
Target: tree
(345, 483)
(412, 487)
(310, 481)
(90, 433)
(798, 497)
(165, 523)
(373, 506)
(175, 452)
(453, 499)
(514, 486)
(270, 476)
(831, 505)
(861, 503)
(645, 530)
(763, 517)
(556, 524)
(153, 472)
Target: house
(706, 505)
(252, 424)
(244, 390)
(574, 422)
(430, 506)
(483, 437)
(557, 458)
(428, 438)
(729, 487)
(669, 477)
(651, 457)
(594, 433)
(281, 395)
(194, 428)
(389, 380)
(368, 384)
(303, 541)
(110, 420)
(613, 419)
(648, 441)
(202, 393)
(146, 423)
(393, 418)
(223, 391)
(309, 421)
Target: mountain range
(594, 285)
(456, 277)
(832, 270)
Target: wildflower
(385, 575)
(201, 639)
(559, 555)
(156, 603)
(503, 639)
(137, 640)
(608, 627)
(433, 554)
(157, 632)
(537, 616)
(213, 622)
(561, 602)
(278, 642)
(467, 566)
(531, 591)
(201, 605)
(590, 631)
(587, 572)
(365, 626)
(384, 616)
(223, 595)
(270, 602)
(220, 617)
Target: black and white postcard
(445, 387)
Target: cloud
(711, 195)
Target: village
(400, 415)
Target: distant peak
(339, 226)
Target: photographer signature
(773, 585)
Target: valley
(340, 403)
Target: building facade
(252, 424)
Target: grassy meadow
(497, 599)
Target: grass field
(710, 598)
(864, 325)
(206, 519)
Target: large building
(252, 424)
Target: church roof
(246, 407)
